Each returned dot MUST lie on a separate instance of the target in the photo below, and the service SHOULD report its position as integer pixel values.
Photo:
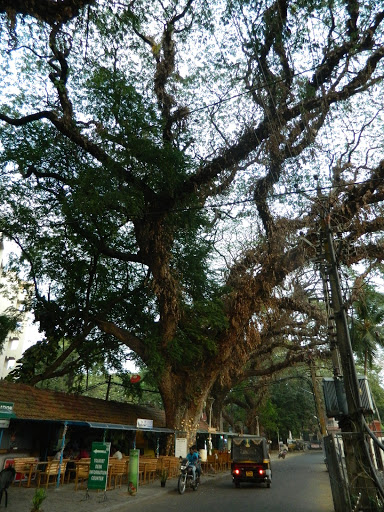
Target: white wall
(12, 293)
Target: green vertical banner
(133, 472)
(98, 469)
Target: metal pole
(362, 479)
(61, 455)
(210, 402)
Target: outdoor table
(81, 472)
(71, 470)
(30, 468)
(41, 468)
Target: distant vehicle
(299, 444)
(250, 460)
(315, 445)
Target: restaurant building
(36, 422)
(33, 422)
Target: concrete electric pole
(362, 477)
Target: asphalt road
(300, 483)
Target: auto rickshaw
(250, 460)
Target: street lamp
(210, 401)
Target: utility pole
(210, 401)
(361, 473)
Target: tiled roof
(42, 404)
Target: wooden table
(26, 468)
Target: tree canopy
(367, 325)
(165, 167)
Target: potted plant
(163, 477)
(38, 499)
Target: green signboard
(98, 469)
(133, 472)
(6, 410)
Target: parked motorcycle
(186, 477)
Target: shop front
(43, 421)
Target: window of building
(11, 363)
(13, 343)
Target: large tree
(158, 165)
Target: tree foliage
(375, 381)
(159, 166)
(7, 325)
(274, 406)
(367, 330)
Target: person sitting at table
(71, 452)
(57, 455)
(71, 456)
(83, 453)
(116, 453)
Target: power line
(265, 85)
(302, 192)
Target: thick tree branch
(50, 11)
(50, 372)
(133, 342)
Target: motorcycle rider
(193, 458)
(283, 450)
(198, 463)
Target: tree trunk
(184, 401)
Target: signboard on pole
(181, 447)
(98, 469)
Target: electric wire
(266, 85)
(275, 195)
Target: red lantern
(135, 378)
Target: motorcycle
(282, 454)
(186, 477)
